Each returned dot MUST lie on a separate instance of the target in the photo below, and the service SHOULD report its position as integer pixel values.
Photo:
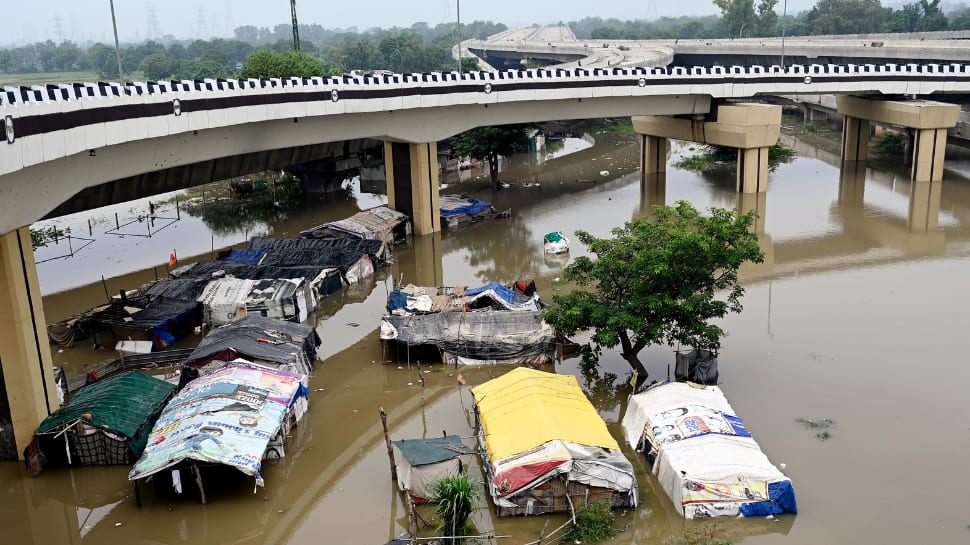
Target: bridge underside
(194, 174)
(151, 166)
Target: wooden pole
(387, 439)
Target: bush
(454, 498)
(594, 522)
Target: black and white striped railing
(14, 95)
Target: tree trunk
(630, 355)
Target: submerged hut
(488, 324)
(422, 461)
(545, 448)
(227, 299)
(105, 423)
(234, 416)
(284, 345)
(458, 210)
(378, 223)
(702, 454)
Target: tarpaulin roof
(419, 452)
(188, 289)
(158, 313)
(226, 417)
(375, 223)
(483, 334)
(250, 256)
(241, 336)
(525, 408)
(456, 205)
(122, 403)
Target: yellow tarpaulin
(525, 408)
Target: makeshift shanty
(284, 345)
(545, 448)
(555, 243)
(488, 324)
(474, 338)
(422, 461)
(105, 423)
(457, 210)
(378, 223)
(354, 258)
(702, 454)
(227, 299)
(235, 416)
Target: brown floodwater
(857, 315)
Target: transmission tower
(203, 29)
(652, 14)
(153, 30)
(296, 27)
(58, 29)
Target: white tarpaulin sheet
(704, 457)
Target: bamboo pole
(387, 440)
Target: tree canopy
(845, 17)
(274, 64)
(658, 281)
(488, 143)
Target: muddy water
(858, 315)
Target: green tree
(845, 17)
(275, 64)
(487, 143)
(766, 23)
(362, 54)
(656, 281)
(738, 17)
(157, 66)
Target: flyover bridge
(72, 147)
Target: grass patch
(890, 143)
(454, 498)
(821, 427)
(594, 522)
(43, 78)
(708, 534)
(623, 125)
(41, 237)
(712, 158)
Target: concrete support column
(852, 186)
(653, 191)
(855, 139)
(412, 183)
(25, 356)
(752, 175)
(929, 146)
(757, 203)
(653, 155)
(751, 128)
(924, 206)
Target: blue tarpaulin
(251, 256)
(499, 289)
(474, 206)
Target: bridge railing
(11, 96)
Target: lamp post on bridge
(458, 17)
(784, 24)
(114, 25)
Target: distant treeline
(423, 48)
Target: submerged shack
(423, 461)
(545, 448)
(703, 456)
(488, 324)
(235, 416)
(378, 223)
(283, 345)
(458, 210)
(105, 423)
(227, 299)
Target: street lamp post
(784, 24)
(458, 16)
(114, 25)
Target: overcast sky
(81, 20)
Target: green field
(41, 78)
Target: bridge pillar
(924, 206)
(855, 139)
(412, 183)
(653, 155)
(929, 121)
(751, 128)
(25, 356)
